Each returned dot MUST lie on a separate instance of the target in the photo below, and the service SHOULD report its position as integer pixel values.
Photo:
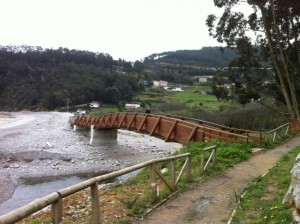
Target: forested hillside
(191, 62)
(212, 57)
(42, 79)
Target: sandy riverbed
(39, 146)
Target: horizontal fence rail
(277, 133)
(56, 199)
(171, 128)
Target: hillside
(212, 57)
(44, 79)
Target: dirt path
(214, 200)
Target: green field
(193, 98)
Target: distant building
(132, 106)
(204, 79)
(143, 82)
(177, 89)
(94, 104)
(159, 83)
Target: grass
(191, 98)
(262, 201)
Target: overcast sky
(126, 29)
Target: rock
(292, 197)
(164, 170)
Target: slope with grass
(213, 201)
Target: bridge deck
(171, 128)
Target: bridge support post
(103, 136)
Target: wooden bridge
(170, 128)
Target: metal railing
(56, 199)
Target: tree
(276, 26)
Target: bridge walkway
(169, 127)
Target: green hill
(42, 79)
(213, 57)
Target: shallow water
(25, 194)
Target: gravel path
(213, 201)
(41, 146)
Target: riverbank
(5, 118)
(41, 146)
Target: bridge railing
(172, 128)
(56, 199)
(255, 135)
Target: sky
(125, 29)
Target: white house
(132, 105)
(160, 83)
(204, 79)
(177, 89)
(94, 104)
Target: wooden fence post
(189, 168)
(153, 179)
(173, 174)
(202, 161)
(95, 204)
(214, 158)
(56, 211)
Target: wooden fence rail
(56, 199)
(277, 132)
(212, 157)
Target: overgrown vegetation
(191, 103)
(262, 201)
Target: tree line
(42, 79)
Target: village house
(204, 79)
(159, 83)
(94, 104)
(129, 106)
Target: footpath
(212, 202)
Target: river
(40, 153)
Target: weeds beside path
(213, 201)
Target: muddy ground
(41, 146)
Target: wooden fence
(56, 199)
(277, 133)
(212, 157)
